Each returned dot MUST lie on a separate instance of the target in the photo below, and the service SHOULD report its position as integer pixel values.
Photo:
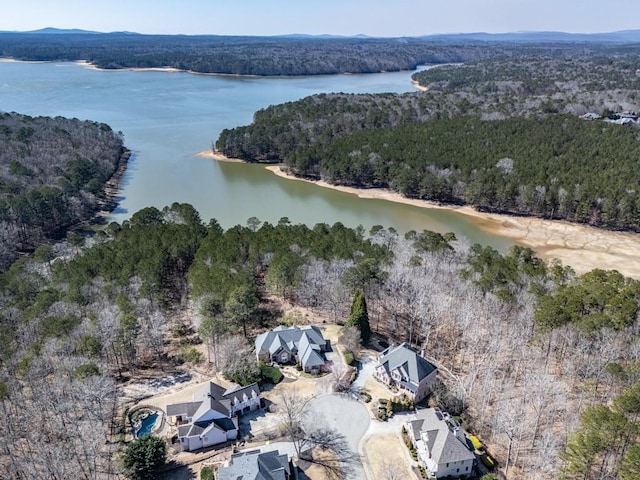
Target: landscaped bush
(475, 441)
(489, 476)
(487, 460)
(365, 396)
(206, 473)
(423, 471)
(382, 414)
(270, 374)
(349, 358)
(143, 412)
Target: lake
(168, 117)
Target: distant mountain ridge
(622, 36)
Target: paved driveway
(347, 416)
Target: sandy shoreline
(584, 248)
(218, 157)
(418, 86)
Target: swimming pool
(147, 425)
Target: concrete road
(347, 416)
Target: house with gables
(211, 417)
(404, 368)
(304, 345)
(258, 465)
(441, 444)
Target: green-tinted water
(167, 117)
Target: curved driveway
(345, 414)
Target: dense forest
(236, 55)
(271, 55)
(499, 134)
(539, 74)
(52, 175)
(551, 166)
(103, 314)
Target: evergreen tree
(359, 317)
(145, 457)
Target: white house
(402, 367)
(441, 444)
(210, 418)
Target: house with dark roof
(441, 444)
(403, 368)
(211, 417)
(257, 465)
(284, 345)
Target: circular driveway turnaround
(346, 415)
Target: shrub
(143, 412)
(206, 473)
(365, 396)
(86, 370)
(423, 471)
(489, 476)
(382, 414)
(487, 460)
(349, 358)
(298, 367)
(270, 374)
(475, 441)
(192, 355)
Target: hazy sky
(343, 17)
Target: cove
(167, 117)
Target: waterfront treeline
(52, 175)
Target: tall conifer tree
(359, 317)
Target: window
(457, 470)
(447, 465)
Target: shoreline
(218, 157)
(111, 188)
(417, 86)
(90, 66)
(582, 247)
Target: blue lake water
(168, 117)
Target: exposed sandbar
(584, 248)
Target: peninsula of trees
(500, 134)
(52, 175)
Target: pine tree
(359, 317)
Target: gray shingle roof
(443, 445)
(412, 367)
(186, 408)
(254, 465)
(296, 341)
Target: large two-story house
(284, 345)
(441, 444)
(403, 368)
(257, 465)
(211, 417)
